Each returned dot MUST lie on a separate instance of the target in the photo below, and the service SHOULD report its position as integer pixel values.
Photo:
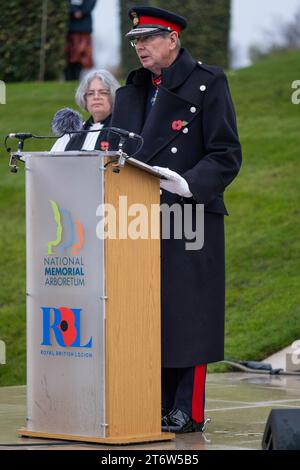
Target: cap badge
(136, 18)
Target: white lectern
(93, 303)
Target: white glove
(175, 183)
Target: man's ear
(173, 39)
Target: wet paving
(237, 403)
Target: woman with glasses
(96, 95)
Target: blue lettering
(54, 326)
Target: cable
(37, 444)
(136, 137)
(137, 151)
(49, 443)
(111, 162)
(265, 371)
(8, 149)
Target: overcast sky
(251, 21)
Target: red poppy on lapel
(178, 125)
(104, 145)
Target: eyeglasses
(147, 39)
(92, 93)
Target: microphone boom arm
(15, 157)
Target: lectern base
(23, 432)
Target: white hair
(178, 41)
(108, 80)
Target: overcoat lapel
(130, 116)
(170, 106)
(158, 131)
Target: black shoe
(179, 422)
(164, 416)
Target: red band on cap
(146, 20)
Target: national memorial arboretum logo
(63, 266)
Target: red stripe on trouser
(198, 393)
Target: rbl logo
(65, 324)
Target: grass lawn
(262, 232)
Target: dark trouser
(72, 71)
(184, 388)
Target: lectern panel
(65, 296)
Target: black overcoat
(83, 24)
(204, 148)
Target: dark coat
(208, 156)
(83, 24)
(77, 141)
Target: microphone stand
(15, 157)
(122, 156)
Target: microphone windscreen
(66, 120)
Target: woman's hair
(108, 80)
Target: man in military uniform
(183, 110)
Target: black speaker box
(282, 431)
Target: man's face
(156, 52)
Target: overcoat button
(202, 88)
(160, 192)
(185, 130)
(193, 109)
(199, 62)
(174, 150)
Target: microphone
(124, 133)
(66, 121)
(20, 136)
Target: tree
(288, 39)
(32, 40)
(291, 33)
(207, 34)
(129, 57)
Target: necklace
(156, 81)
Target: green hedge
(207, 34)
(20, 39)
(129, 58)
